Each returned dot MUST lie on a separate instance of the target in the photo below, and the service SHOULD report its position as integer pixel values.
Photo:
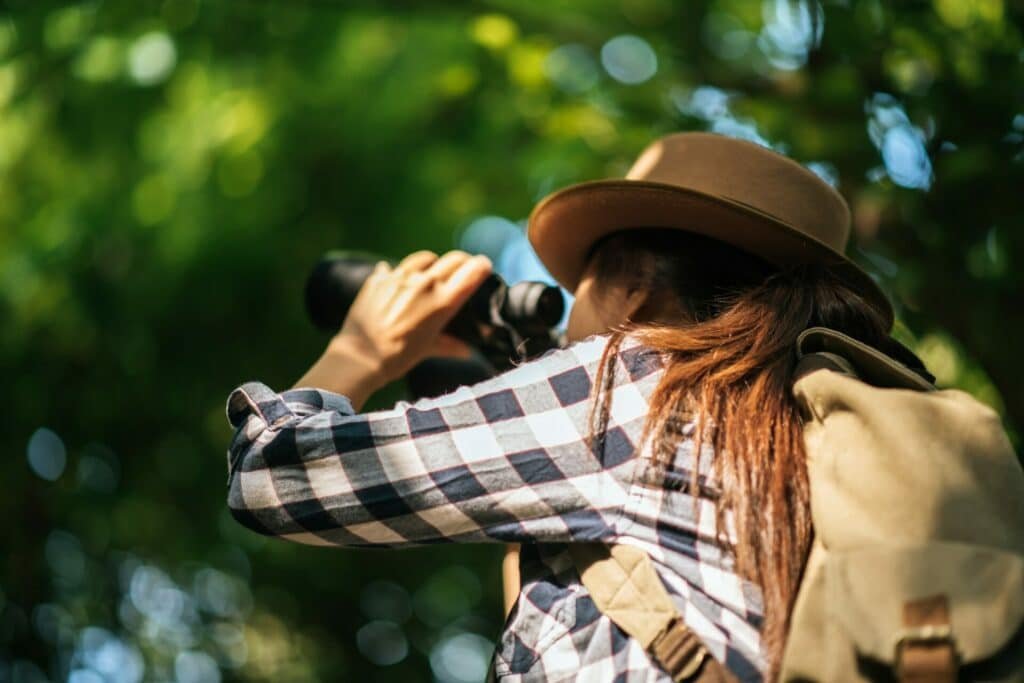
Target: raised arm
(507, 459)
(504, 460)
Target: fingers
(416, 262)
(452, 278)
(465, 279)
(409, 277)
(380, 270)
(444, 267)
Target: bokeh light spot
(902, 145)
(462, 658)
(457, 79)
(792, 28)
(112, 658)
(64, 28)
(526, 63)
(151, 58)
(230, 641)
(243, 122)
(98, 469)
(629, 59)
(382, 642)
(46, 454)
(447, 595)
(940, 356)
(704, 102)
(824, 170)
(960, 14)
(585, 121)
(571, 68)
(385, 600)
(221, 594)
(905, 158)
(494, 31)
(195, 667)
(101, 60)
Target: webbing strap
(626, 588)
(926, 653)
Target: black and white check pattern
(506, 460)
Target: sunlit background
(169, 172)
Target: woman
(693, 277)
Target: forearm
(504, 460)
(510, 580)
(344, 369)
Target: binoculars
(504, 324)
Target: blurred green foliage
(170, 170)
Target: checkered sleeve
(504, 460)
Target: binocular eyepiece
(505, 323)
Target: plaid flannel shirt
(507, 460)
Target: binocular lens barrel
(535, 305)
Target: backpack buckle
(923, 635)
(926, 653)
(678, 651)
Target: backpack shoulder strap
(861, 360)
(827, 360)
(626, 588)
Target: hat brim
(565, 225)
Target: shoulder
(638, 359)
(562, 376)
(631, 356)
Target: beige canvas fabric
(917, 569)
(916, 496)
(625, 587)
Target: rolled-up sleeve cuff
(305, 402)
(256, 398)
(254, 407)
(274, 409)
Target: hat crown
(748, 174)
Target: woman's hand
(396, 321)
(397, 317)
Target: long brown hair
(726, 324)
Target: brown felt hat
(732, 190)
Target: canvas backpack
(916, 572)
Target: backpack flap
(851, 610)
(869, 592)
